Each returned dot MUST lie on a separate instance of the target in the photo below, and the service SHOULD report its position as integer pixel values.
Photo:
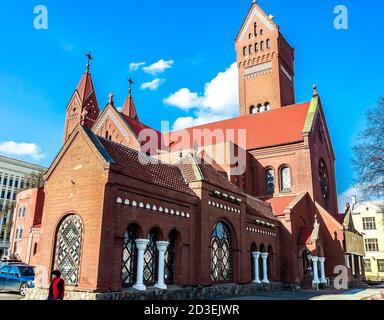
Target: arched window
(256, 47)
(307, 263)
(285, 179)
(259, 108)
(69, 241)
(269, 181)
(221, 253)
(244, 51)
(253, 109)
(267, 106)
(170, 259)
(128, 272)
(106, 134)
(268, 44)
(255, 29)
(150, 258)
(35, 249)
(250, 49)
(262, 45)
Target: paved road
(10, 296)
(329, 294)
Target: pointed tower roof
(85, 87)
(129, 108)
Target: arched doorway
(151, 258)
(69, 241)
(129, 264)
(253, 249)
(221, 253)
(170, 258)
(271, 264)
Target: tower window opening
(244, 51)
(250, 49)
(253, 110)
(256, 46)
(259, 108)
(255, 29)
(262, 45)
(267, 106)
(261, 32)
(268, 44)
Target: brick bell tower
(266, 64)
(83, 107)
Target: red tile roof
(262, 208)
(279, 204)
(129, 108)
(85, 86)
(137, 126)
(276, 127)
(157, 173)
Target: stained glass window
(150, 259)
(270, 181)
(286, 179)
(170, 257)
(323, 179)
(221, 253)
(129, 257)
(68, 249)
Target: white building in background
(368, 218)
(12, 179)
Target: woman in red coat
(56, 289)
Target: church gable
(78, 157)
(110, 125)
(255, 16)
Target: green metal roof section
(313, 107)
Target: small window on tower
(259, 108)
(253, 110)
(262, 45)
(250, 36)
(267, 106)
(106, 134)
(250, 49)
(268, 44)
(261, 32)
(255, 29)
(256, 47)
(244, 51)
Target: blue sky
(39, 69)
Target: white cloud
(219, 101)
(153, 85)
(184, 99)
(159, 67)
(21, 149)
(134, 66)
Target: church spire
(129, 108)
(83, 108)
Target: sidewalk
(355, 294)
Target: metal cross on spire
(130, 81)
(90, 58)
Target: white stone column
(141, 245)
(353, 264)
(360, 266)
(264, 256)
(256, 256)
(315, 261)
(323, 280)
(162, 247)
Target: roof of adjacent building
(276, 127)
(263, 208)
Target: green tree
(369, 154)
(34, 180)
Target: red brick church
(246, 200)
